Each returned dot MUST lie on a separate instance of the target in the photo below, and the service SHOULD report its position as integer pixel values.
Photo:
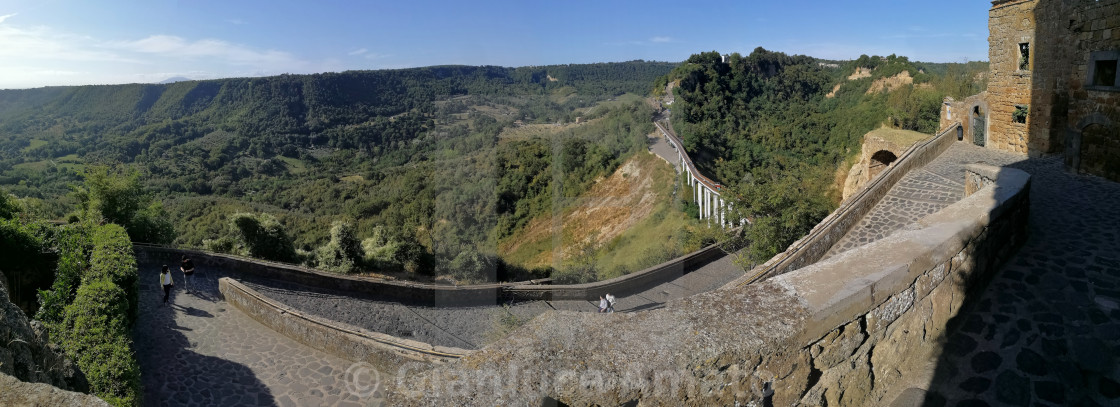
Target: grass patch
(644, 244)
(295, 165)
(33, 144)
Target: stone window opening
(1024, 56)
(1020, 113)
(1103, 73)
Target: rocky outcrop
(27, 355)
(14, 392)
(889, 84)
(880, 148)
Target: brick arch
(1095, 118)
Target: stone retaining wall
(839, 332)
(629, 284)
(832, 228)
(385, 352)
(401, 291)
(437, 295)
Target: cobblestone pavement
(1046, 331)
(199, 351)
(921, 192)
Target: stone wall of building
(1011, 23)
(1066, 113)
(965, 112)
(1094, 112)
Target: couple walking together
(187, 267)
(606, 304)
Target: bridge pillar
(708, 200)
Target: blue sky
(52, 42)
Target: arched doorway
(1098, 151)
(879, 162)
(978, 124)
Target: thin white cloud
(171, 46)
(651, 41)
(42, 43)
(359, 51)
(39, 55)
(236, 21)
(5, 17)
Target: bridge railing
(679, 146)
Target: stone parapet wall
(832, 228)
(431, 294)
(401, 291)
(629, 284)
(839, 332)
(385, 352)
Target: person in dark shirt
(188, 270)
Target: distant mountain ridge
(174, 79)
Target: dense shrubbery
(343, 253)
(116, 195)
(74, 247)
(96, 334)
(255, 235)
(92, 305)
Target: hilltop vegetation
(765, 127)
(407, 162)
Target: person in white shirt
(166, 282)
(610, 303)
(602, 304)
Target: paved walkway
(199, 351)
(921, 192)
(660, 146)
(1046, 332)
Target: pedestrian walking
(166, 282)
(187, 267)
(602, 304)
(610, 303)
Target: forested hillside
(773, 128)
(395, 168)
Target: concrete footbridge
(708, 196)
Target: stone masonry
(1010, 23)
(1044, 95)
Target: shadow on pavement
(1046, 330)
(172, 372)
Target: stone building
(1053, 84)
